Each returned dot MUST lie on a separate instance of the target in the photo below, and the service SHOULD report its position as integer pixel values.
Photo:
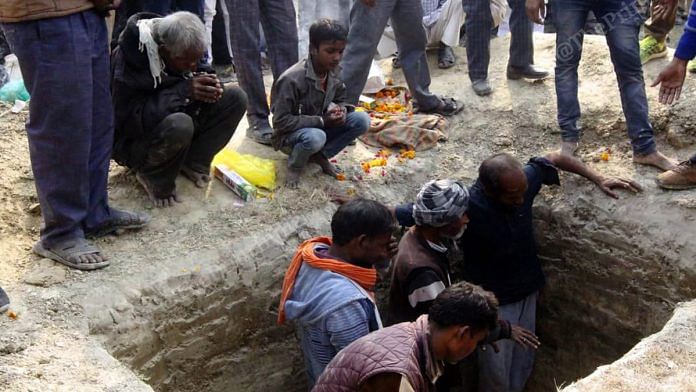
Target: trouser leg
(60, 131)
(447, 29)
(521, 30)
(102, 126)
(661, 23)
(245, 40)
(357, 123)
(407, 20)
(280, 29)
(302, 144)
(509, 369)
(479, 23)
(222, 49)
(366, 27)
(569, 19)
(166, 151)
(622, 23)
(214, 127)
(192, 6)
(693, 159)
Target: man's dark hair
(325, 30)
(463, 304)
(493, 168)
(358, 217)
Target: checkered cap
(440, 202)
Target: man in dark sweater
(169, 119)
(500, 253)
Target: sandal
(448, 107)
(69, 252)
(445, 57)
(261, 135)
(121, 220)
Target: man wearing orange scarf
(328, 288)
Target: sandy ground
(519, 118)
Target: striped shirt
(431, 11)
(686, 50)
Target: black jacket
(298, 101)
(139, 105)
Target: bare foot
(656, 159)
(292, 179)
(326, 166)
(200, 179)
(569, 148)
(158, 200)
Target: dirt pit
(190, 302)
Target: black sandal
(445, 57)
(448, 107)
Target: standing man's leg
(495, 368)
(445, 33)
(214, 127)
(280, 28)
(245, 38)
(569, 19)
(521, 61)
(622, 23)
(479, 23)
(98, 212)
(523, 357)
(366, 27)
(407, 20)
(663, 14)
(60, 145)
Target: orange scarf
(365, 277)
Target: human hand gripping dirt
(524, 337)
(206, 88)
(536, 10)
(671, 79)
(607, 184)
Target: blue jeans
(65, 66)
(509, 369)
(622, 23)
(305, 142)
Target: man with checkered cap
(421, 267)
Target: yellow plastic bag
(258, 171)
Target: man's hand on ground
(671, 79)
(607, 184)
(369, 3)
(524, 337)
(536, 10)
(206, 88)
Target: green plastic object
(14, 90)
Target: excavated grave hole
(215, 330)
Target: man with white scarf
(172, 114)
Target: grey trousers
(278, 20)
(509, 369)
(366, 28)
(479, 23)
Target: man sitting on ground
(167, 118)
(443, 21)
(329, 286)
(500, 253)
(412, 356)
(312, 121)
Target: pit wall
(613, 278)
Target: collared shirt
(499, 249)
(431, 11)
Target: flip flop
(445, 57)
(121, 220)
(67, 252)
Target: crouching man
(411, 356)
(168, 118)
(312, 120)
(329, 286)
